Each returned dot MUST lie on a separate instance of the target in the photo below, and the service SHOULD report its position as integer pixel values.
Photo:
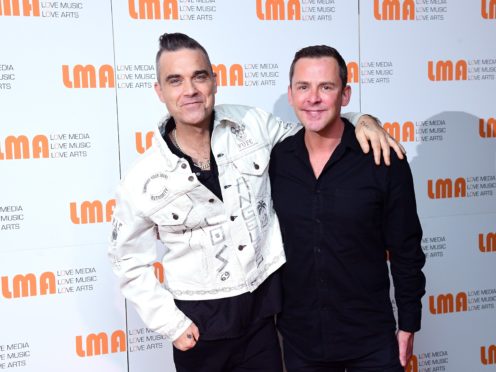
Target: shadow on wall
(453, 162)
(283, 109)
(454, 168)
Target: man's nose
(314, 95)
(190, 87)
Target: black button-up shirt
(336, 230)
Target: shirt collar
(219, 116)
(348, 140)
(223, 115)
(165, 126)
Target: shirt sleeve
(133, 251)
(403, 235)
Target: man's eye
(201, 77)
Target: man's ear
(346, 95)
(158, 90)
(214, 76)
(290, 95)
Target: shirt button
(233, 218)
(220, 155)
(175, 216)
(210, 200)
(256, 166)
(241, 247)
(183, 165)
(198, 174)
(191, 178)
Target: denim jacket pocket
(255, 163)
(254, 171)
(175, 216)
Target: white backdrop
(76, 104)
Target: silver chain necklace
(203, 165)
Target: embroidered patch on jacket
(156, 187)
(221, 259)
(243, 140)
(262, 212)
(217, 235)
(116, 227)
(285, 124)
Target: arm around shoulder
(368, 129)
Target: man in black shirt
(339, 213)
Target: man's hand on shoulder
(368, 129)
(188, 338)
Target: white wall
(64, 143)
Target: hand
(405, 344)
(369, 129)
(188, 338)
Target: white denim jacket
(216, 248)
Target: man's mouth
(191, 103)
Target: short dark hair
(171, 42)
(319, 51)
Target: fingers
(195, 331)
(368, 129)
(376, 148)
(397, 147)
(405, 345)
(362, 137)
(402, 345)
(386, 151)
(188, 338)
(403, 355)
(363, 141)
(184, 344)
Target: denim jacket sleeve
(132, 251)
(279, 130)
(276, 129)
(352, 117)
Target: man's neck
(193, 134)
(193, 140)
(326, 140)
(321, 145)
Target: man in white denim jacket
(203, 189)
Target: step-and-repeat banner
(77, 106)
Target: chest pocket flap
(174, 213)
(255, 163)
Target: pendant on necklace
(203, 165)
